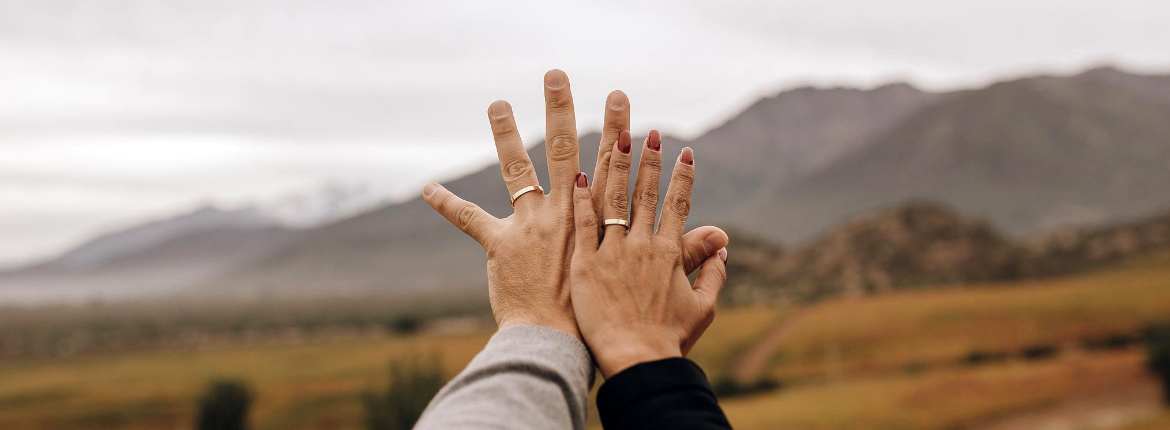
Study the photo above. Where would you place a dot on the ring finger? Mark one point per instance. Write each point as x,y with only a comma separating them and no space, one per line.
617,198
514,163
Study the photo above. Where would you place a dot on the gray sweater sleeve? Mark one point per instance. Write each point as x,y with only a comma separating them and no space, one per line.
525,378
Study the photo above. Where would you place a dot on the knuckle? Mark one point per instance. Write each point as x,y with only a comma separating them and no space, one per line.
685,179
680,204
620,166
562,146
517,168
648,197
651,163
504,129
587,220
466,216
559,102
618,202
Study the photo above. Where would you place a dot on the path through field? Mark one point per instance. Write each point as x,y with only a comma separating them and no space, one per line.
1098,411
751,366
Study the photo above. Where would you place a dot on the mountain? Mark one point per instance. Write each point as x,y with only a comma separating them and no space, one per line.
407,247
155,258
924,244
1027,155
903,247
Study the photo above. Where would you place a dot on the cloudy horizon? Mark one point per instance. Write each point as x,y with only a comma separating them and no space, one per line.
112,113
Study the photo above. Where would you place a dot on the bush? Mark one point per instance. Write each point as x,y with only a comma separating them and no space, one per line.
980,356
410,389
1158,350
1113,341
224,406
1039,352
726,387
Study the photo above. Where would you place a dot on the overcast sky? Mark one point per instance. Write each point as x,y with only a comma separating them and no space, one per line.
117,111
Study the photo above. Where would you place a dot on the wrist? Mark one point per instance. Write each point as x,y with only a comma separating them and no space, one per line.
566,327
615,357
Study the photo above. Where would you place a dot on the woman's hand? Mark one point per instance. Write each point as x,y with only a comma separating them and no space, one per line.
630,292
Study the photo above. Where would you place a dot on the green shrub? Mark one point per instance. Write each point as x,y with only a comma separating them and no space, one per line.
979,356
224,406
410,389
1158,350
1039,352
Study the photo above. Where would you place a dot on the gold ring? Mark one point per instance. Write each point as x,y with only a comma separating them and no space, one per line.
521,192
615,221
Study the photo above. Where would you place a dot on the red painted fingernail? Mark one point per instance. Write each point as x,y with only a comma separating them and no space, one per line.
623,143
654,141
688,156
723,255
582,180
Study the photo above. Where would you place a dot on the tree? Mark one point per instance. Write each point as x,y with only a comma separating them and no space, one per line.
1158,350
224,406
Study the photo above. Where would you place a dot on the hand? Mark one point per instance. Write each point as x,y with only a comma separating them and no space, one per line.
630,293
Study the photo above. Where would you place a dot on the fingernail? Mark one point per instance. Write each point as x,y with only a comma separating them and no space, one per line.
688,156
617,100
554,79
654,141
430,189
499,109
723,255
582,180
711,241
624,143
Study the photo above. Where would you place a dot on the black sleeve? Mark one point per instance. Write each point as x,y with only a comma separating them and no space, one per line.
664,394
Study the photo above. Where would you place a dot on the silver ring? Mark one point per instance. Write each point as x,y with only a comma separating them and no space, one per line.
616,221
521,192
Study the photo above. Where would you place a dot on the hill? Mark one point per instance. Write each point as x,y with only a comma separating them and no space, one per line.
1027,155
923,244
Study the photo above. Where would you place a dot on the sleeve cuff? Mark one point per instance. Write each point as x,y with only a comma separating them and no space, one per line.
646,380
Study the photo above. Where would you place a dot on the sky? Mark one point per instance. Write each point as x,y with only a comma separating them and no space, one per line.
113,112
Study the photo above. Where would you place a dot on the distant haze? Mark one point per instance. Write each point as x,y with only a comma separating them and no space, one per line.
117,111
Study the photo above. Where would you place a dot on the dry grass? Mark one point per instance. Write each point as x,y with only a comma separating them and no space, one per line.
955,398
299,387
900,331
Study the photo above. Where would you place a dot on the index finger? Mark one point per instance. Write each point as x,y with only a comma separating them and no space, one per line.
560,142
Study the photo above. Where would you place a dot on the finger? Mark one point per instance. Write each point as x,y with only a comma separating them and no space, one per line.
700,244
646,186
560,142
712,276
586,226
514,163
464,214
677,204
617,118
617,199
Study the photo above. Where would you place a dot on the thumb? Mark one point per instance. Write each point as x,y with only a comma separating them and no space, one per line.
701,243
712,275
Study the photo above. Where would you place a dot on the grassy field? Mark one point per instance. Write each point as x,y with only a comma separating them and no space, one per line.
299,387
887,362
948,399
906,331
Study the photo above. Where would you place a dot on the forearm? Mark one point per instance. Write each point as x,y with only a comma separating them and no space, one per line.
664,394
525,378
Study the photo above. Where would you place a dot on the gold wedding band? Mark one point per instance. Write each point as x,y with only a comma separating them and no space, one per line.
615,221
521,192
